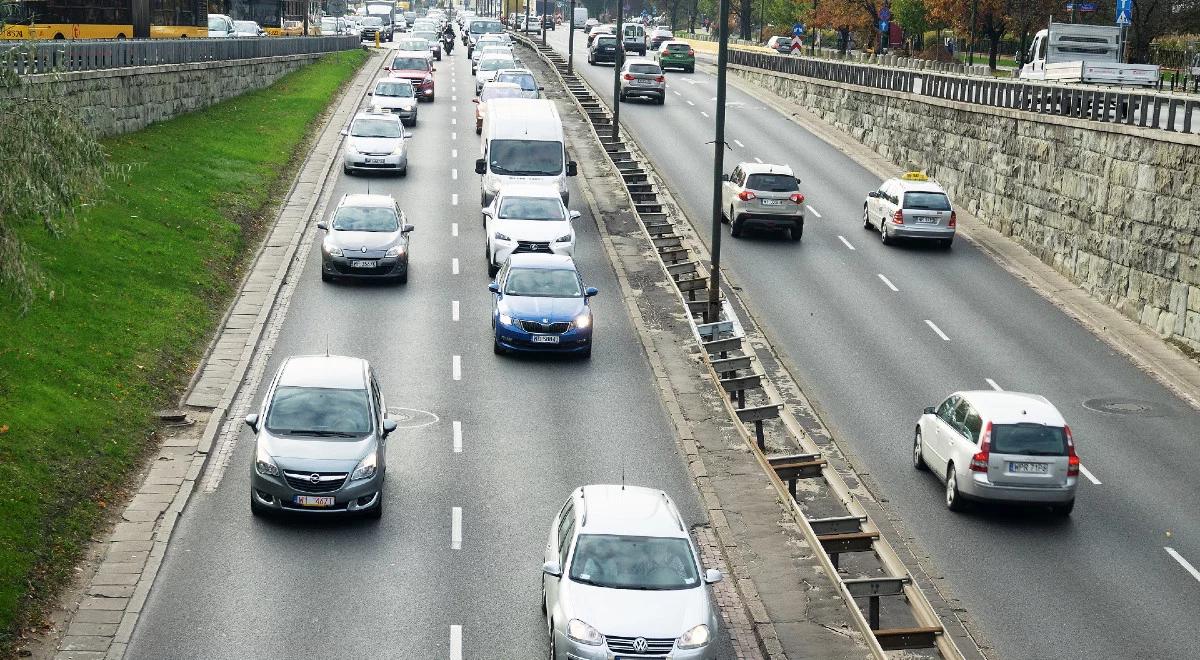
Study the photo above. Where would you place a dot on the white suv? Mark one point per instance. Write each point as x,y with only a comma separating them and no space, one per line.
621,578
527,218
911,206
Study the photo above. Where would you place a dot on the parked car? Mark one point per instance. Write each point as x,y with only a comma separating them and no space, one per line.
643,78
375,142
366,237
496,90
540,304
603,49
911,206
676,55
417,67
334,25
762,195
397,96
320,439
527,218
220,25
621,578
1000,447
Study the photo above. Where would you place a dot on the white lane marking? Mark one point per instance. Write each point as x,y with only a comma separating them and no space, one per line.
454,310
994,385
1183,562
810,209
454,173
456,643
453,135
454,229
456,528
937,330
456,367
454,153
454,265
677,93
758,159
690,103
739,144
706,116
845,242
453,97
453,108
454,200
887,282
1088,473
457,436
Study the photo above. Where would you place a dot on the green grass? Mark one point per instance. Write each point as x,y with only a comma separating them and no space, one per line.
136,291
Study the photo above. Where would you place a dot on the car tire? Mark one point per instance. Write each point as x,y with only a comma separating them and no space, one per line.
918,457
867,219
375,512
735,227
883,233
347,171
326,277
691,69
662,100
796,232
621,97
1063,510
497,348
492,268
403,277
948,243
404,172
256,509
954,500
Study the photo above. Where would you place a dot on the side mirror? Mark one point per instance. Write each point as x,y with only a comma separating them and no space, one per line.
541,89
575,215
407,134
344,132
494,287
724,177
474,100
712,576
252,421
590,291
930,410
370,93
480,166
572,168
486,211
323,225
405,229
873,193
389,425
432,70
552,569
387,68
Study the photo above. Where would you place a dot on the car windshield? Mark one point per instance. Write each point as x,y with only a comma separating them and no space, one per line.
1029,439
634,562
531,208
319,411
375,128
419,63
525,80
430,35
414,44
366,218
217,25
374,21
495,63
500,92
644,68
401,89
486,27
926,201
526,157
542,283
772,183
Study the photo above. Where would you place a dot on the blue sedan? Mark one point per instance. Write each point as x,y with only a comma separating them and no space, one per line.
539,304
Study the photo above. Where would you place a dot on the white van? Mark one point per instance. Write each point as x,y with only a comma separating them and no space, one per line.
633,37
522,142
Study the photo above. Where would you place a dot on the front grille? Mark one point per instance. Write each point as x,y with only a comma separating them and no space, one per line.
655,646
327,483
532,246
556,328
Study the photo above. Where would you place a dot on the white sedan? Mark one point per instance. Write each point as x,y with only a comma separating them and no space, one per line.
527,218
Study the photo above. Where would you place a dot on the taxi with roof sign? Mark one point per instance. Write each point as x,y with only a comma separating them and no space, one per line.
911,206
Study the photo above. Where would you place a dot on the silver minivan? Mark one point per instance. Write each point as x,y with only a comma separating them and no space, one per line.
911,206
998,446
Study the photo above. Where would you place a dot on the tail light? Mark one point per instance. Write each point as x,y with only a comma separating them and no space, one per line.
797,198
746,195
953,219
660,79
1072,458
898,218
628,76
979,462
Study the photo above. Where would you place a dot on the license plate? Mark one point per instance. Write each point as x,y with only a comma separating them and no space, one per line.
772,202
1029,468
545,339
314,502
643,82
362,264
374,161
925,220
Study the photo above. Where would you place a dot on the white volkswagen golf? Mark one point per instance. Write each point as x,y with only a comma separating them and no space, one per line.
527,218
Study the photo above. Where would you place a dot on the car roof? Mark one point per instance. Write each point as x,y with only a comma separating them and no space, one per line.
514,70
919,186
393,79
1013,407
628,510
333,371
765,168
640,60
533,119
530,189
410,53
366,199
547,261
383,116
494,84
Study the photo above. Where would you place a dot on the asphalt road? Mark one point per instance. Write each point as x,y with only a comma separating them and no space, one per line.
233,586
860,326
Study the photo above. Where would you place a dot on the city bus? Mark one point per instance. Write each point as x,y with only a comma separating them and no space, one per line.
276,17
97,19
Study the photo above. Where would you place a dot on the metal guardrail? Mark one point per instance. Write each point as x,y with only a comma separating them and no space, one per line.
1128,106
59,56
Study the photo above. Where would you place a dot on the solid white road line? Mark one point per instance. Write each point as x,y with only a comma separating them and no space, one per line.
994,385
454,312
456,643
456,528
1088,474
810,209
690,103
454,229
454,199
887,282
846,242
742,146
758,159
456,367
937,330
454,173
704,113
1183,562
457,437
454,265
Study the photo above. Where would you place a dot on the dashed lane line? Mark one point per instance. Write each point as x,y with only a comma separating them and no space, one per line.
845,242
887,282
742,146
993,385
454,266
933,326
454,311
705,114
810,209
457,437
690,103
456,528
456,367
1187,566
454,173
1088,475
454,199
456,650
756,158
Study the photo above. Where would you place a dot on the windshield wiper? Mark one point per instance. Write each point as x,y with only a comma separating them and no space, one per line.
317,432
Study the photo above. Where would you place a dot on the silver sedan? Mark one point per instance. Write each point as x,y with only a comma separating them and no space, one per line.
643,78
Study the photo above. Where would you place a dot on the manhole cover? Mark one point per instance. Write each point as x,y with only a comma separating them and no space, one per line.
1119,406
411,418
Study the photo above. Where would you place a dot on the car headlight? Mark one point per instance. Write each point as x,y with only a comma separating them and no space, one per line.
584,320
502,237
366,469
565,238
583,633
332,250
264,464
694,638
395,251
398,150
505,319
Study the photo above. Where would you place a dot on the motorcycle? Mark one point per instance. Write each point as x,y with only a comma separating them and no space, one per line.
448,43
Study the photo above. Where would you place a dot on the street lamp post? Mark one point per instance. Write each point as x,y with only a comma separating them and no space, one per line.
620,57
545,6
971,52
714,285
571,42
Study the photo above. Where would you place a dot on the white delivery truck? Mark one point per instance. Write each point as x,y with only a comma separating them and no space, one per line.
1076,53
581,17
522,143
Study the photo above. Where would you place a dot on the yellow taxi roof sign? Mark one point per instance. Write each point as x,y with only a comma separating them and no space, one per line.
915,176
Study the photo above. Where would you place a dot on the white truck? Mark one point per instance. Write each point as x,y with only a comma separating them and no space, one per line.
1075,53
581,17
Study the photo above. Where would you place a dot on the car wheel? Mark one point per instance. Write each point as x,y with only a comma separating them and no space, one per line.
691,69
797,231
662,99
347,171
735,228
1063,509
883,233
326,277
492,268
258,509
918,458
403,277
621,97
867,219
553,651
947,243
404,172
954,500
497,348
375,512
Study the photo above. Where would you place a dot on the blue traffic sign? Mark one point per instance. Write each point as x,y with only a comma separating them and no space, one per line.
798,30
885,14
1124,12
883,26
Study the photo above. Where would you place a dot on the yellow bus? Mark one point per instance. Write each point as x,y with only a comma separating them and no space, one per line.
276,17
100,19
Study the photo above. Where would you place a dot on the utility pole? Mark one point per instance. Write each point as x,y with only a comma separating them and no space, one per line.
714,286
571,42
971,52
545,6
616,127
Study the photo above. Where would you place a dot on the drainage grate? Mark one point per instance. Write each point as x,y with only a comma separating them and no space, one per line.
1120,406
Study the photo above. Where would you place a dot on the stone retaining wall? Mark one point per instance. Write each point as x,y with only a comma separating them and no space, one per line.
114,101
1111,207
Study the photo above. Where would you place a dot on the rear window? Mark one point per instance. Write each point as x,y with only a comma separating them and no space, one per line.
772,183
926,201
606,39
678,48
644,68
1029,440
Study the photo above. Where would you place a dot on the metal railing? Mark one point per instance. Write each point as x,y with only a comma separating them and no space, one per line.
1128,106
59,56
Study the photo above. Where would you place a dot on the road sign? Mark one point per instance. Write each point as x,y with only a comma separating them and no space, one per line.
883,26
885,14
1083,7
798,30
1123,18
1124,11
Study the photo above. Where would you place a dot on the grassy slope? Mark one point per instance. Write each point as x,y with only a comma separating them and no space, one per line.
137,290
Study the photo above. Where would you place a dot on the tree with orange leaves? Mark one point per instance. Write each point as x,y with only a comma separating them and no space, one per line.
848,15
